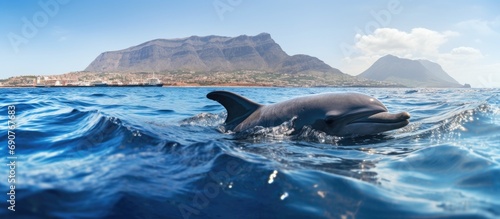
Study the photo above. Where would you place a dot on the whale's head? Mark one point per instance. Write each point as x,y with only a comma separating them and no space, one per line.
355,114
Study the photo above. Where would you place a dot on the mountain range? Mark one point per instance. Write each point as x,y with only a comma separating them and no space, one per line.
208,54
261,53
411,73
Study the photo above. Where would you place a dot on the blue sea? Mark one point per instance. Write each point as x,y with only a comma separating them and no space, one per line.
161,152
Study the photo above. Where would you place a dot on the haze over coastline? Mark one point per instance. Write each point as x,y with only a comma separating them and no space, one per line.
54,37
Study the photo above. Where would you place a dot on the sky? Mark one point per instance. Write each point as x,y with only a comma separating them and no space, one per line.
47,37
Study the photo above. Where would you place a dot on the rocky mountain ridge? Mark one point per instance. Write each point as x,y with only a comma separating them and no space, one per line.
411,73
208,54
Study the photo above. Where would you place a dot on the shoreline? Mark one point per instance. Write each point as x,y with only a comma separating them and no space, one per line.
214,85
226,85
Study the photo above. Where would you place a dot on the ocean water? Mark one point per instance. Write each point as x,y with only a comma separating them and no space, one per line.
161,153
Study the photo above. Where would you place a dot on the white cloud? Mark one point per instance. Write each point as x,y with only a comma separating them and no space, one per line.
463,63
482,27
419,42
463,52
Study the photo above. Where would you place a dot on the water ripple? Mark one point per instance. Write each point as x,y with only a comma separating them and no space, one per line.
146,153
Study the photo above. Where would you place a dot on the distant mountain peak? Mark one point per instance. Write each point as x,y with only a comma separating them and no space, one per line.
411,73
208,53
390,56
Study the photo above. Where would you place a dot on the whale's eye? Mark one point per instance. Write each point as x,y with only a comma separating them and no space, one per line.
329,121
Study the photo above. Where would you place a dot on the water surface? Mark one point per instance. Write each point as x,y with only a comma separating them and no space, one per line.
160,153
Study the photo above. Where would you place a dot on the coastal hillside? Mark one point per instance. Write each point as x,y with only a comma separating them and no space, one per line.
209,54
411,73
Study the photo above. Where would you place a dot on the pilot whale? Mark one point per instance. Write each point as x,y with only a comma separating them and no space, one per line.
337,114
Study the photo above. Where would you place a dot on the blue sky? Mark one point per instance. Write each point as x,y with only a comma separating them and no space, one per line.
46,37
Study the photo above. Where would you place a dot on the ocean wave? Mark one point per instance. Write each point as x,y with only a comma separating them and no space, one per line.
452,124
205,119
149,156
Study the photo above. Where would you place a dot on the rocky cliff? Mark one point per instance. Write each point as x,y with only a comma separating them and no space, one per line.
209,53
411,73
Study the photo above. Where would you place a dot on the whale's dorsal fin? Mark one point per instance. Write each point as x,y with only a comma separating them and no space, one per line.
238,108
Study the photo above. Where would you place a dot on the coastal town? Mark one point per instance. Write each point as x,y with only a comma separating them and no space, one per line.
77,79
189,78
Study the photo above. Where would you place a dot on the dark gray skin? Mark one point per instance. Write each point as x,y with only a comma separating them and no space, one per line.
337,114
